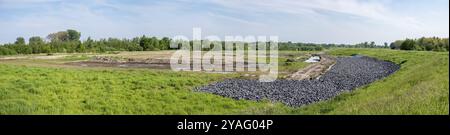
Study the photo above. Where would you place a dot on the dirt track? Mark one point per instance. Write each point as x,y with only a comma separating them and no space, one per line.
315,70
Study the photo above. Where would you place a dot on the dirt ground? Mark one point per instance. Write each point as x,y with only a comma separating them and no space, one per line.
120,64
315,70
157,60
33,57
153,59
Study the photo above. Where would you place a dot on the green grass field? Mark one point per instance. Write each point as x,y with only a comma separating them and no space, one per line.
421,86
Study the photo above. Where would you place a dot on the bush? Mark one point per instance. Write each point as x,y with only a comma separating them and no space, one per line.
6,51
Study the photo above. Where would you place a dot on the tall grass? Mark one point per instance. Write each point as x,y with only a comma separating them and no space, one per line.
421,86
39,90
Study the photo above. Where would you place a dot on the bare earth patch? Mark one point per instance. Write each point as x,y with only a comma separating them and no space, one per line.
106,61
45,57
315,70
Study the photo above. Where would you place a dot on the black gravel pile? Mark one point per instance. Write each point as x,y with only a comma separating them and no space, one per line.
347,74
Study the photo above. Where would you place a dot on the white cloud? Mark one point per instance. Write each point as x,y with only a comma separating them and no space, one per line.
373,10
327,21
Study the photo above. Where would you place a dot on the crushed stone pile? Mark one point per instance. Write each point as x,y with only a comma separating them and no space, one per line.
347,74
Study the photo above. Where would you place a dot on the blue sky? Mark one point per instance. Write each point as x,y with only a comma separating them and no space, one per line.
317,21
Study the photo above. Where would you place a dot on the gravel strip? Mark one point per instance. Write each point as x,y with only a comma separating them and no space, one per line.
347,74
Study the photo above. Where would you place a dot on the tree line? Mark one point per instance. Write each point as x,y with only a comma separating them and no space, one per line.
319,47
69,42
422,44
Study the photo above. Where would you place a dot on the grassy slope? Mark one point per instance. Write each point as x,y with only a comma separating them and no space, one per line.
421,86
38,90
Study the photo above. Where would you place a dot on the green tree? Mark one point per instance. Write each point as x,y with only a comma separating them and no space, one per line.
146,44
165,43
155,44
397,44
20,41
372,44
81,47
36,43
7,51
422,44
58,36
20,46
73,35
408,44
